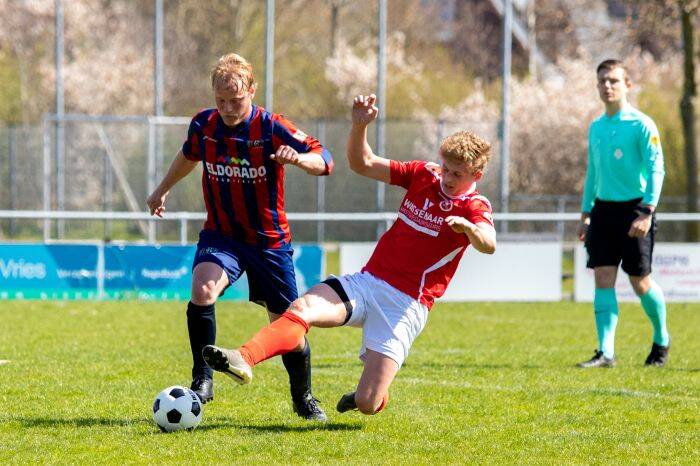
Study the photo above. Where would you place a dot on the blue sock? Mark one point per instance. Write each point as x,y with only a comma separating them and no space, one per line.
606,312
655,307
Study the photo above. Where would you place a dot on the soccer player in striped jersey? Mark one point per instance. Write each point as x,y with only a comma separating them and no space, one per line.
243,150
441,214
622,189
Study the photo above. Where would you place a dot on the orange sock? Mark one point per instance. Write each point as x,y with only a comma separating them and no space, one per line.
279,337
382,405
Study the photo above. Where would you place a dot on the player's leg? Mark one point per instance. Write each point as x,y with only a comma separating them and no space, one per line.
372,393
604,255
298,365
272,282
215,267
321,306
654,304
208,280
637,263
606,309
391,322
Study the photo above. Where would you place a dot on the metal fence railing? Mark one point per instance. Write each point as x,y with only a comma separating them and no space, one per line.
110,164
42,220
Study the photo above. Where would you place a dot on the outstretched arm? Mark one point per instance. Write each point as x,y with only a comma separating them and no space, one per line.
179,168
360,156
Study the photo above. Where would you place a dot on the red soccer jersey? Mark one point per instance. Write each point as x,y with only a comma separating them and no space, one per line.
419,254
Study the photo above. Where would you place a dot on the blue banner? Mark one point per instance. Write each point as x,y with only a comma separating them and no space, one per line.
32,271
38,271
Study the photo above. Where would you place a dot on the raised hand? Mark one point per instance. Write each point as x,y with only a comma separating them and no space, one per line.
363,109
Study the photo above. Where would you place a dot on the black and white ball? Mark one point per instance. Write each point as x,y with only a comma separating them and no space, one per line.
177,408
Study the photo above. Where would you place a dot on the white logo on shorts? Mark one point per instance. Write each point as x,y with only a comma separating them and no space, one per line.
618,154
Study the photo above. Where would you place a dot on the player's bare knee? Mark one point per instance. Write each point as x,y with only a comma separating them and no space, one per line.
367,403
302,308
641,285
204,293
605,277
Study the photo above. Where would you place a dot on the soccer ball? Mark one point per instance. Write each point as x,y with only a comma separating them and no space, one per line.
177,408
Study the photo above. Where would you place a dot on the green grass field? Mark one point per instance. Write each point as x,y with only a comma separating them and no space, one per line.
485,383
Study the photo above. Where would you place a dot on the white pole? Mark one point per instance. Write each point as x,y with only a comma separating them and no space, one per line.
47,177
158,62
60,110
151,173
505,108
269,53
381,98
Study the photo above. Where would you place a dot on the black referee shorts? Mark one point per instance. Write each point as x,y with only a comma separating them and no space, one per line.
607,241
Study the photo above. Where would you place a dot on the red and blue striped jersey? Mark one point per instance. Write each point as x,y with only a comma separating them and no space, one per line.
243,187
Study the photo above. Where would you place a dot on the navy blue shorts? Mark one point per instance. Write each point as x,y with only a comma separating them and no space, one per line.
271,279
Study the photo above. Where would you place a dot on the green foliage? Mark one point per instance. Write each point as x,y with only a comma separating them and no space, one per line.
10,100
485,383
442,83
662,105
301,88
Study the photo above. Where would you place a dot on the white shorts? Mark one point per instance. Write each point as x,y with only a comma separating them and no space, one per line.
390,319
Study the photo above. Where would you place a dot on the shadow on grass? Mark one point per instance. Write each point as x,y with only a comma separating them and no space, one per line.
680,369
75,422
337,365
440,365
82,422
281,428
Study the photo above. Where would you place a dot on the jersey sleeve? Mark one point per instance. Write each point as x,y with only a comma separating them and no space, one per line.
652,154
480,211
589,184
190,148
402,173
285,133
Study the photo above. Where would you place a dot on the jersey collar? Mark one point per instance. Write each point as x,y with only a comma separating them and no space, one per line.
460,197
243,125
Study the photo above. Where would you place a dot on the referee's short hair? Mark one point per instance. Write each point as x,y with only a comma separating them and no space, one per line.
611,64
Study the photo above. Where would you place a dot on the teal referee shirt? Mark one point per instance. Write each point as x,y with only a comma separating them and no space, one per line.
625,160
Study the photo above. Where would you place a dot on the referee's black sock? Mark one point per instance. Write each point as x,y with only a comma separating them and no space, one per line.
298,365
201,325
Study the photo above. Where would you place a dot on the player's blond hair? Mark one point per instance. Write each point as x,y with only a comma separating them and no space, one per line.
232,72
467,147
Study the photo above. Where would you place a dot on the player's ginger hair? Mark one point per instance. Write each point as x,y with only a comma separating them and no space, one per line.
232,72
467,147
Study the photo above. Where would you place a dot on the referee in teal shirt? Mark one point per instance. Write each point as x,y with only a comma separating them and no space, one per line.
620,194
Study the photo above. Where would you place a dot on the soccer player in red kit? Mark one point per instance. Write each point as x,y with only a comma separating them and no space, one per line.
243,150
441,214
